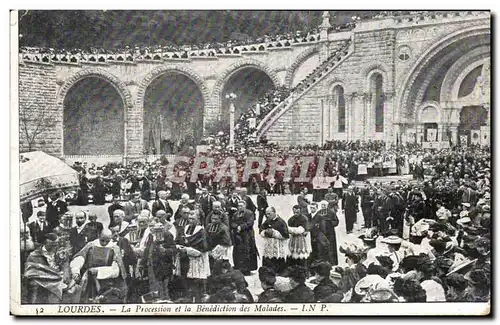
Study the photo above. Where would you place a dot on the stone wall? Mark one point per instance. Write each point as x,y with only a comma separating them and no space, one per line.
372,51
38,113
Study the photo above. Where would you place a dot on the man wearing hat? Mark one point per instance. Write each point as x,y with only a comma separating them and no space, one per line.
394,248
267,279
300,293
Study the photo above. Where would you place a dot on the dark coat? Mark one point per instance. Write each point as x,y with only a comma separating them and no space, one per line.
36,233
218,234
54,212
245,250
324,289
131,211
300,294
262,204
250,205
206,203
158,205
159,257
323,237
270,294
145,189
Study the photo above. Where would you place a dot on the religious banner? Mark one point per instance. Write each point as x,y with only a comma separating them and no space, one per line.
362,169
475,136
431,135
322,182
463,140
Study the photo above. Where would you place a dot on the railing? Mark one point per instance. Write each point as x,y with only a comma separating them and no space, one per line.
304,86
100,160
160,55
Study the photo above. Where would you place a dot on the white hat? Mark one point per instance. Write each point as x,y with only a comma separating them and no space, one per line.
392,240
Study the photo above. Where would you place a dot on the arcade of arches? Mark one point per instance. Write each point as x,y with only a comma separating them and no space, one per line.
173,114
93,119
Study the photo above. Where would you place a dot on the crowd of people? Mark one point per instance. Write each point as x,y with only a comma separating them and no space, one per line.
215,48
141,50
424,240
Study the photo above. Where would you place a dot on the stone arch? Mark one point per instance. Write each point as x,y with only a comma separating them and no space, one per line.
423,62
372,69
454,89
440,67
157,72
421,116
114,81
98,73
334,83
247,63
301,58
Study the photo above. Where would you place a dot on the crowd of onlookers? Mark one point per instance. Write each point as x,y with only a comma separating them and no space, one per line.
426,240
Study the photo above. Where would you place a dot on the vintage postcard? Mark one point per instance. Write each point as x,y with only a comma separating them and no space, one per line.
225,162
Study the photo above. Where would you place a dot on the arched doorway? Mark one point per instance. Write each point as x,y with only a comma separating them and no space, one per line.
434,75
173,114
93,119
249,84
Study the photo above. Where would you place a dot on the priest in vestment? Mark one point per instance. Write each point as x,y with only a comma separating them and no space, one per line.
99,270
192,261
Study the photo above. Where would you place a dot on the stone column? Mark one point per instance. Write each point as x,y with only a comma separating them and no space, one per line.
323,32
367,104
454,134
349,114
389,129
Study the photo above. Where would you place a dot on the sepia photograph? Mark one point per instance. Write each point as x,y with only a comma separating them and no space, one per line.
251,162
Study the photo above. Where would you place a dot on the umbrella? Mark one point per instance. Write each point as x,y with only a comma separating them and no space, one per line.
41,173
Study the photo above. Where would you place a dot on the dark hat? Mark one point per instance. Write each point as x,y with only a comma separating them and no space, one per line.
296,206
265,271
482,242
443,263
457,281
322,268
410,262
298,274
50,237
385,261
477,276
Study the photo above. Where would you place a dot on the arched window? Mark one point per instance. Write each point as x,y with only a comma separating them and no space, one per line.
377,90
339,104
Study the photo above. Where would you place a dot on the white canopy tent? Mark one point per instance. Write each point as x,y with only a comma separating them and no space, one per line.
41,173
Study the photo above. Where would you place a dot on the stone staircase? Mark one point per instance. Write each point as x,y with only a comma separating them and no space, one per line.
308,83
